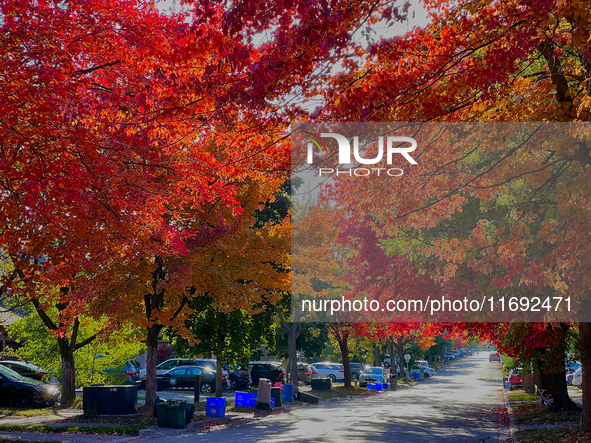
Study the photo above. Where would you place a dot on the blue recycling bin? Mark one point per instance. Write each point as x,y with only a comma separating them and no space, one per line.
287,393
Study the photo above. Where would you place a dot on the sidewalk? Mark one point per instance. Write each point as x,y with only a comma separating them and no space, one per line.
67,418
54,418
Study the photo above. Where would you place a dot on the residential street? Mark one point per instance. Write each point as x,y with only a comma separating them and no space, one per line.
463,404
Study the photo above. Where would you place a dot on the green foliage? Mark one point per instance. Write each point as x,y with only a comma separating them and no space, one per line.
312,341
508,364
233,336
40,347
439,347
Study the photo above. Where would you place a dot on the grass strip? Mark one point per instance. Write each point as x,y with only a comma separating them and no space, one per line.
108,430
529,413
571,434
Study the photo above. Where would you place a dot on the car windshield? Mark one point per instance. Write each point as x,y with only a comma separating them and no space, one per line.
10,374
375,371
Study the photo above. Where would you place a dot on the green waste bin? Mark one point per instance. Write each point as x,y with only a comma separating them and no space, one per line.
177,413
162,414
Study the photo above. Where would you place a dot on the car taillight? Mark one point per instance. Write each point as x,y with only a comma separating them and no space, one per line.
315,372
341,371
281,374
130,373
306,372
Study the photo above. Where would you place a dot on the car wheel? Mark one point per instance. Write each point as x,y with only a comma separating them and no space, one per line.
24,400
232,385
354,376
207,388
333,378
426,376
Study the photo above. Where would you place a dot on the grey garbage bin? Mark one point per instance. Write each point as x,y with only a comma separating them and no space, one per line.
264,395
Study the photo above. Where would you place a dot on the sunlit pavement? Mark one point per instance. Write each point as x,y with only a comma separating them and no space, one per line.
463,403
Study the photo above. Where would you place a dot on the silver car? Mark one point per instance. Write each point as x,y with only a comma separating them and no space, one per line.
334,371
372,375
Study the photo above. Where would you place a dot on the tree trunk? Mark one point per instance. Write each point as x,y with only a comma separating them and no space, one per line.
554,378
400,350
585,349
68,371
219,363
294,332
151,380
537,364
344,345
286,363
527,382
390,345
557,386
377,356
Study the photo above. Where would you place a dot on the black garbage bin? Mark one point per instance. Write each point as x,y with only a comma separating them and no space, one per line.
321,384
308,398
109,400
190,411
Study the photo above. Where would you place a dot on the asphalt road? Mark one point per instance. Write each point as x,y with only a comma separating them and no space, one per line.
464,403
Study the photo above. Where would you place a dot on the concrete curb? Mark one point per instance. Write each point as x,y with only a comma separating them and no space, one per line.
512,426
161,431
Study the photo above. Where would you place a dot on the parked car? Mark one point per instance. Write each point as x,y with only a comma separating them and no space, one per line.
578,378
306,373
334,371
238,377
25,369
427,371
129,373
372,375
356,370
183,377
494,356
169,364
24,392
515,378
450,355
270,370
387,360
570,369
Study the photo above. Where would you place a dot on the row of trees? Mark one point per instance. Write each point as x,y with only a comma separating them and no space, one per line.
139,151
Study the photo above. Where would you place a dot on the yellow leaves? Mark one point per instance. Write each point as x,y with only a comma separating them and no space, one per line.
549,231
450,271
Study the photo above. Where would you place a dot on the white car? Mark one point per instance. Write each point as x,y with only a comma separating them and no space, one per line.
578,378
168,365
429,372
334,371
